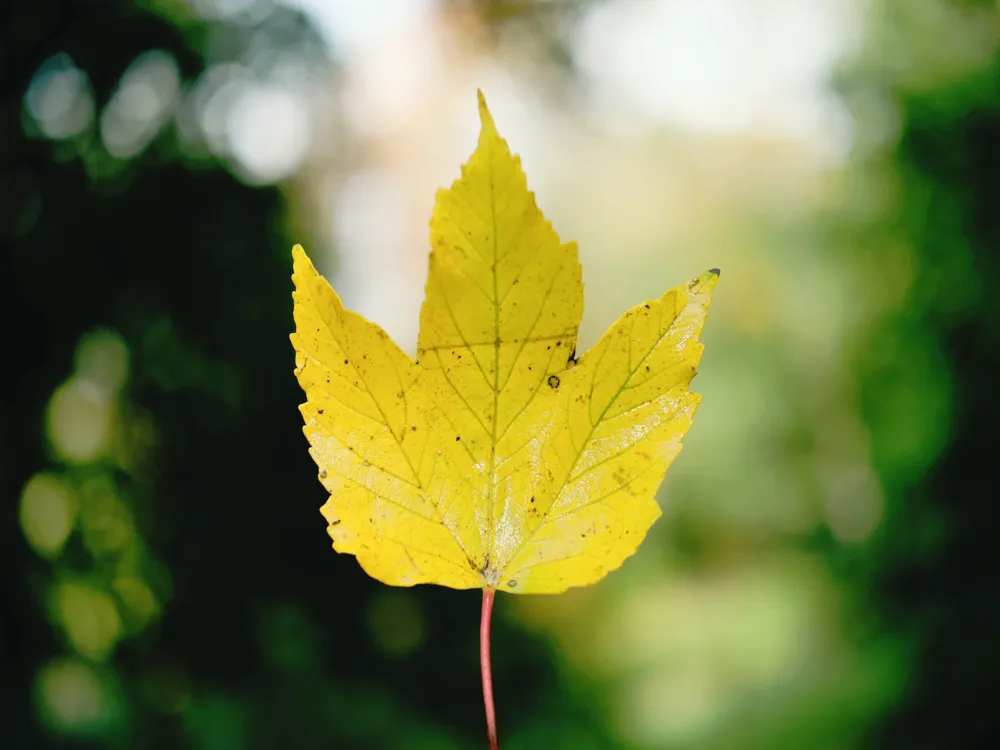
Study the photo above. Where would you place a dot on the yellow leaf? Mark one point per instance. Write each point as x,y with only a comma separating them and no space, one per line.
367,424
497,460
612,424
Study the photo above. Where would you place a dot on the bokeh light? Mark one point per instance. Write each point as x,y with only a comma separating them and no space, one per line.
141,105
75,698
60,99
138,602
83,411
80,421
48,514
88,616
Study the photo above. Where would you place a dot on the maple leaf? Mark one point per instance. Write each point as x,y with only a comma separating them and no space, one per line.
497,460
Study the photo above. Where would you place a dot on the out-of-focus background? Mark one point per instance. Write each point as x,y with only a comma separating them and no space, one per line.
823,576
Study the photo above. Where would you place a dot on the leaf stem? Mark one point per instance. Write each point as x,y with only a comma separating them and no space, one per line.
484,664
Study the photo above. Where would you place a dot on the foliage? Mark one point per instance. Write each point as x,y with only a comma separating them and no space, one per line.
500,460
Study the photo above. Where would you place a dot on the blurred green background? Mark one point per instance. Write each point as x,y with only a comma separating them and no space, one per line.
823,577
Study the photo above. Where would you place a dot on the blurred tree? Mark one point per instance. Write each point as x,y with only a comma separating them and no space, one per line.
926,101
266,635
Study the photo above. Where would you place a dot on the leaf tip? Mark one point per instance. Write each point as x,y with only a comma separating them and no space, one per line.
301,265
484,112
706,282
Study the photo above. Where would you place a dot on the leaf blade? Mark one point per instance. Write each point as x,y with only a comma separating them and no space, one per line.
600,498
503,303
498,459
365,420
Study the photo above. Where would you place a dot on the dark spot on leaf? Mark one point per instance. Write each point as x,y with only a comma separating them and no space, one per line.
345,361
716,271
553,381
322,474
335,523
319,411
414,428
457,438
646,305
512,583
532,499
559,343
647,368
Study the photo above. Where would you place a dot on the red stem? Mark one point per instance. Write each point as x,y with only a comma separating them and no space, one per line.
484,663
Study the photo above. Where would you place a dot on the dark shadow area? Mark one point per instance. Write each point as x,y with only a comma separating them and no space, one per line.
263,627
